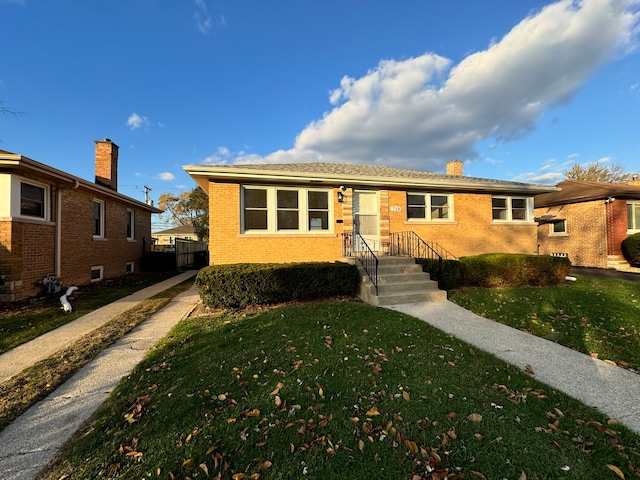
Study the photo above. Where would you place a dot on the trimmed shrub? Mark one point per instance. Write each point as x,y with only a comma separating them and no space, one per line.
500,270
243,284
631,249
448,273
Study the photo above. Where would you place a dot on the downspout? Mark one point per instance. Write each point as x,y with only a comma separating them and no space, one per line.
58,239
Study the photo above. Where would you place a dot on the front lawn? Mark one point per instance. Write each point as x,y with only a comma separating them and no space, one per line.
338,390
26,320
596,316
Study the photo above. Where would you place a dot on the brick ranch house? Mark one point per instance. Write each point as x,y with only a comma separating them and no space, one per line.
299,212
56,225
587,221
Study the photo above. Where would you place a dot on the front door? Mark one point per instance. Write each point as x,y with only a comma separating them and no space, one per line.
365,218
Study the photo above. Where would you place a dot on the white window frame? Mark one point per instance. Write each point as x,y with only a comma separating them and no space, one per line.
130,216
100,270
428,207
509,209
634,205
552,231
16,198
303,211
100,234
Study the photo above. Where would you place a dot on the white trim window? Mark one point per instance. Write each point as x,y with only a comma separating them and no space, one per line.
633,217
98,218
129,267
97,273
286,210
434,207
130,219
32,199
512,209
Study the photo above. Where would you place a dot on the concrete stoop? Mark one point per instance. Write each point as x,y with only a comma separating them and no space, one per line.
618,262
400,280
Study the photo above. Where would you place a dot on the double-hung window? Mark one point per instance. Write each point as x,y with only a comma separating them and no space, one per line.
512,209
285,210
633,217
33,200
98,219
429,206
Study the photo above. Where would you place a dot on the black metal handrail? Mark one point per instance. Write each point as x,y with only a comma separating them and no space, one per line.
409,243
353,245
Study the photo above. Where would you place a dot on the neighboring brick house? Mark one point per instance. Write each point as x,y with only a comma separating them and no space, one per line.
587,221
298,212
56,225
168,236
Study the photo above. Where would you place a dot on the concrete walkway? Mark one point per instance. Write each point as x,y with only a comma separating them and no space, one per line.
31,441
611,389
25,355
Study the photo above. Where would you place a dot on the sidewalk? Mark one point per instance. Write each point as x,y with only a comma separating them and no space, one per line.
611,389
31,441
25,355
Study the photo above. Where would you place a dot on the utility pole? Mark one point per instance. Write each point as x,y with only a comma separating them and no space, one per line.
146,196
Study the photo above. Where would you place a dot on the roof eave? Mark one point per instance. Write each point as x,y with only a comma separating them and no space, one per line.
20,162
202,176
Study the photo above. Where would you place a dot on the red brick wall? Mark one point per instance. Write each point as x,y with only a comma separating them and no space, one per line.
27,250
616,226
80,251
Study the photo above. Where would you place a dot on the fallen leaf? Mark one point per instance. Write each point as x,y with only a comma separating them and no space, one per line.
278,400
523,476
475,417
611,362
204,468
529,370
277,389
406,396
361,445
264,465
616,470
372,412
238,476
478,475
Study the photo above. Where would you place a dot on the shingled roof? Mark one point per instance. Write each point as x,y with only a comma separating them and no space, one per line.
576,191
355,175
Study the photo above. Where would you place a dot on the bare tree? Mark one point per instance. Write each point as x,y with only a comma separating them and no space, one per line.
598,172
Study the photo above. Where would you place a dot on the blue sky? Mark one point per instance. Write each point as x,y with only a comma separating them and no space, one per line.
518,90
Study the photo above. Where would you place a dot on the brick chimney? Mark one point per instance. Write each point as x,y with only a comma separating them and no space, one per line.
454,167
635,180
107,164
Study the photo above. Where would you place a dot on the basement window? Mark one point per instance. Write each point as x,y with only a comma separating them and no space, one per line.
96,273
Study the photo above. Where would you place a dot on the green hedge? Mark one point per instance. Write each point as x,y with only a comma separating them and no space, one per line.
631,249
448,273
243,284
500,270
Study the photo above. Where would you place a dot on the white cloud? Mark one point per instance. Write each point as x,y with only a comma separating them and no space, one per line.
423,111
202,17
136,121
166,176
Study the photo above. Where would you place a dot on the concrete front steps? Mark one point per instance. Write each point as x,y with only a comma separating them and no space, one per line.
400,280
618,262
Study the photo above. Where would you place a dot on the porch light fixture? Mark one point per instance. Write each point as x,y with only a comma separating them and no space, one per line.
340,197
